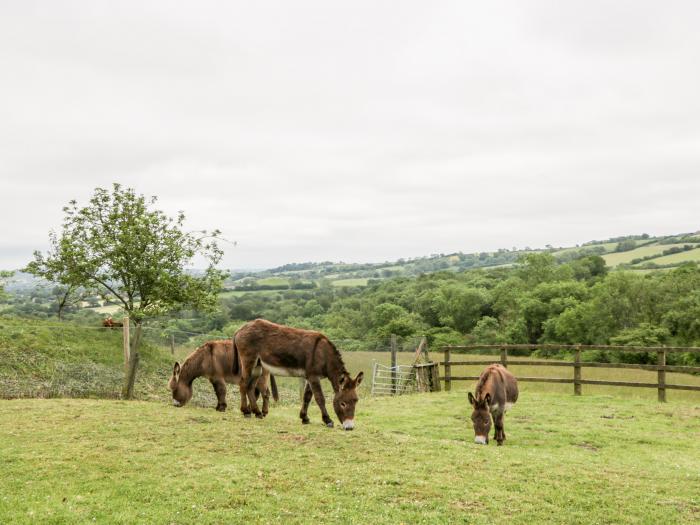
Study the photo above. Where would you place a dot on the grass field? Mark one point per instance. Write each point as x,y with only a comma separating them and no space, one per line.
614,259
111,309
613,455
678,258
593,459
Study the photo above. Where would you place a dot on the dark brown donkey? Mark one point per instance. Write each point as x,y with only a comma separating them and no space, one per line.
214,360
496,392
286,351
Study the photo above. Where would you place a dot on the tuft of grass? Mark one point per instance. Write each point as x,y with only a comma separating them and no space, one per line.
593,459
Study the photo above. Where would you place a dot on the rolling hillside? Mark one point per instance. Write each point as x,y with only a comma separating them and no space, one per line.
634,252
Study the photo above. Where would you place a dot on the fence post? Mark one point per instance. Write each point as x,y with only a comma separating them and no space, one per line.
435,377
126,339
172,344
504,357
393,363
577,371
661,361
448,370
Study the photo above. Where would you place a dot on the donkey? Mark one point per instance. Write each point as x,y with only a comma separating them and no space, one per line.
294,352
496,392
214,360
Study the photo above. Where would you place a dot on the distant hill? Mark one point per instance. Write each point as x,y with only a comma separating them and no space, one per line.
632,252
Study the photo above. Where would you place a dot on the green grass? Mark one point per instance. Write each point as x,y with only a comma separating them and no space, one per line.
616,258
241,293
613,455
111,309
273,281
593,459
678,258
52,359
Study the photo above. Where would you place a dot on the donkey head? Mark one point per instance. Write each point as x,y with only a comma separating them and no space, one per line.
182,392
345,400
481,418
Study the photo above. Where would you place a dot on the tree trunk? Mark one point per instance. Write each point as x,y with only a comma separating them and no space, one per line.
62,305
128,391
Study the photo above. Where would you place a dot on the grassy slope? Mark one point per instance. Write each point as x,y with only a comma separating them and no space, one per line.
566,460
49,359
678,258
613,259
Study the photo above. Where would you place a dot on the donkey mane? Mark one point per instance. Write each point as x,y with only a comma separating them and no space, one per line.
336,352
482,382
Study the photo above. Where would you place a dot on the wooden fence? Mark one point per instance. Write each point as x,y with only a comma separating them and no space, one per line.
661,367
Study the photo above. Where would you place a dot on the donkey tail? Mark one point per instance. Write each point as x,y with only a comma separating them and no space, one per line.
236,368
273,386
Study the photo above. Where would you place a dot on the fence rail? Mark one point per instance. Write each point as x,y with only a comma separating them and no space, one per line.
660,367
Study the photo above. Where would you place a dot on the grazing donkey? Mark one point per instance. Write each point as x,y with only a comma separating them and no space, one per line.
496,392
294,352
214,360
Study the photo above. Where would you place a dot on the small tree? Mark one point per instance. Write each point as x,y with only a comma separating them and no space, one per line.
4,275
134,255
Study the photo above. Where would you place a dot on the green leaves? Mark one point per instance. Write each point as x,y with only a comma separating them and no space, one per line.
132,253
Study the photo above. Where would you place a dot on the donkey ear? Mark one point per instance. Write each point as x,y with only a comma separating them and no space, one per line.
487,398
359,377
472,401
343,379
176,369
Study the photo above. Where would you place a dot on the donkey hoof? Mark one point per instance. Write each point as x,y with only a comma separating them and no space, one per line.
221,408
259,416
329,424
499,443
247,415
305,421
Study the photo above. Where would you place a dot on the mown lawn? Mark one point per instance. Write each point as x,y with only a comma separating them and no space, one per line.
590,459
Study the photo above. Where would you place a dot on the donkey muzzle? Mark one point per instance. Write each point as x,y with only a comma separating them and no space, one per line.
348,424
481,440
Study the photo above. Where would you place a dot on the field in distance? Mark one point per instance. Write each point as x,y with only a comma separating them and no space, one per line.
624,252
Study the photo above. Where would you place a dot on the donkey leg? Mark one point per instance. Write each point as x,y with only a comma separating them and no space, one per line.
220,390
500,434
265,391
321,401
247,386
245,409
252,401
308,394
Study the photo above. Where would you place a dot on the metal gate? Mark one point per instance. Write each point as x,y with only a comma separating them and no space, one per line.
387,380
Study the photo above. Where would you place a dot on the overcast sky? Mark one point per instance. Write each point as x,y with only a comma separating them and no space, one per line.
355,131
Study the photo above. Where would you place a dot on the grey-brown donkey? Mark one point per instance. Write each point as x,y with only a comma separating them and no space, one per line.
214,360
288,351
496,392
